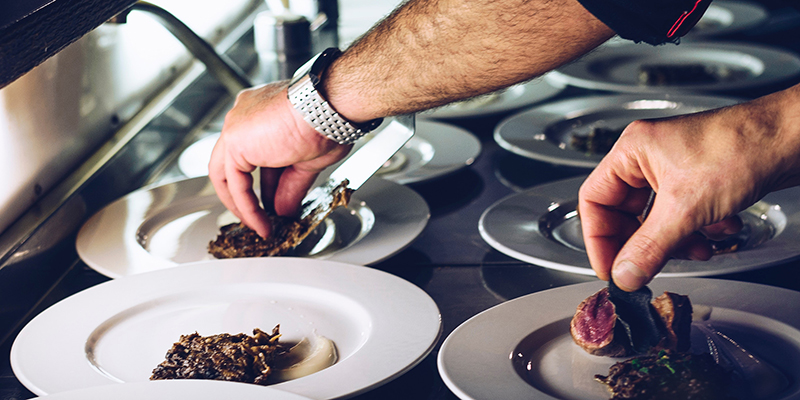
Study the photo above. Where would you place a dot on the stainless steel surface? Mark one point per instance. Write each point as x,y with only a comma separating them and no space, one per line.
217,64
292,44
56,116
24,227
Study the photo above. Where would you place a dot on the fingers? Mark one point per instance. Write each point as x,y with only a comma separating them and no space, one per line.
269,185
604,231
649,248
608,209
216,173
694,247
240,189
723,229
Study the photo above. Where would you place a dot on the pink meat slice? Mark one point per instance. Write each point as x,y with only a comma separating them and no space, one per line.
594,326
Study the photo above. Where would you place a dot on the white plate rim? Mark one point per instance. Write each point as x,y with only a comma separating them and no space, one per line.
454,148
779,64
523,94
745,14
374,290
775,251
384,240
168,390
539,118
506,327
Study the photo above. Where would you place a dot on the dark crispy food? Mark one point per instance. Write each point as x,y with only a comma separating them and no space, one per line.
660,75
598,141
668,376
237,358
676,313
728,245
237,240
604,328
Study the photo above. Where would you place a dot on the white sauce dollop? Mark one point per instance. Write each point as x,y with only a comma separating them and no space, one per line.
305,358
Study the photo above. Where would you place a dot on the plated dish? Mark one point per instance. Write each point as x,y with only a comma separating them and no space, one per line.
435,150
193,161
170,390
540,226
548,132
164,226
724,67
531,355
512,98
121,329
724,17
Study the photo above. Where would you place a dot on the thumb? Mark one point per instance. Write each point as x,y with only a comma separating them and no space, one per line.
650,247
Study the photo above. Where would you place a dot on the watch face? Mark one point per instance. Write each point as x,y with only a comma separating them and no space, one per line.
321,62
316,66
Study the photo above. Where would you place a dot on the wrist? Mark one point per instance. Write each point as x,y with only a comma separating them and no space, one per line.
790,131
306,95
347,89
774,120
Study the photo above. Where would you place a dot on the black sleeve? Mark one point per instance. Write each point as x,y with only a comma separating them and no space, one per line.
650,21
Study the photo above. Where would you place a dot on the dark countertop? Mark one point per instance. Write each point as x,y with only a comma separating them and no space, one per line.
450,260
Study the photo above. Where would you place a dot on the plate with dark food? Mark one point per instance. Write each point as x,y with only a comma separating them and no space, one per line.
435,150
541,226
680,338
315,328
175,389
578,132
696,66
164,226
511,98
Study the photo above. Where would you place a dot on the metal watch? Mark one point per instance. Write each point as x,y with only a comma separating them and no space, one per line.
305,97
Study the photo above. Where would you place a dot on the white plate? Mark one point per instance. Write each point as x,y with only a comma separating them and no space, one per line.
178,389
120,330
193,161
435,150
522,349
512,98
616,68
163,226
724,17
539,226
545,132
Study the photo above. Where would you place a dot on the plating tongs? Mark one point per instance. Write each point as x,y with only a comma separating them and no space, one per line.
355,170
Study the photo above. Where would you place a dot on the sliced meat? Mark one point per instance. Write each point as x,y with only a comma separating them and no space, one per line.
630,323
676,313
595,328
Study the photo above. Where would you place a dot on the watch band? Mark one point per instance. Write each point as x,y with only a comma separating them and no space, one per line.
305,98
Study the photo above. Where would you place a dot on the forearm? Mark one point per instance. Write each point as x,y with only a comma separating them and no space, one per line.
780,112
767,131
432,52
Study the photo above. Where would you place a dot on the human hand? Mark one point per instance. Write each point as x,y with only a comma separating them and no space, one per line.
704,167
264,130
